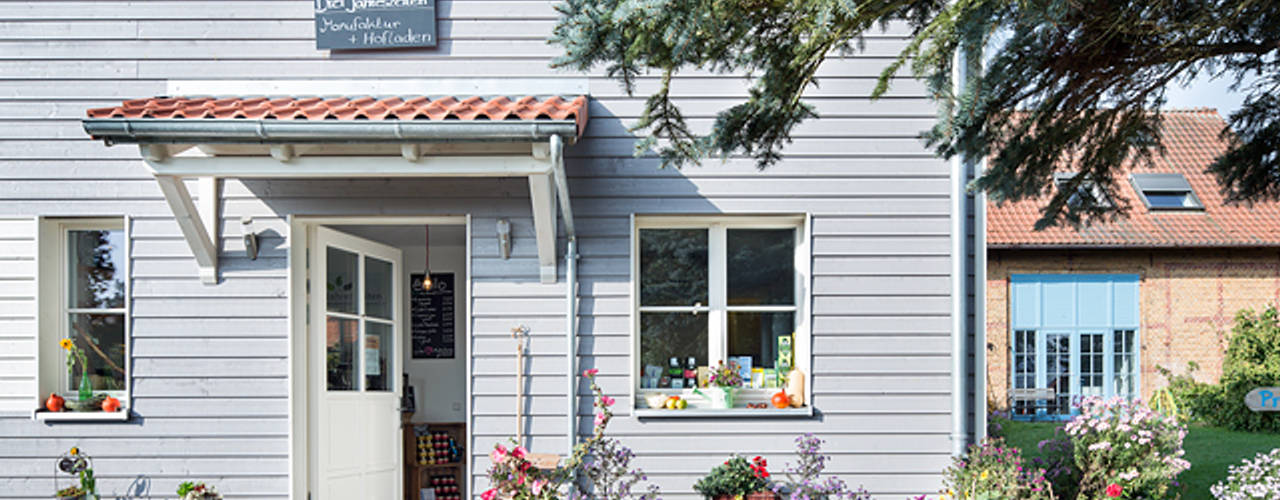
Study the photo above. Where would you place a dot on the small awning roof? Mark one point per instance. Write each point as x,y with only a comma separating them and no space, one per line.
295,119
314,137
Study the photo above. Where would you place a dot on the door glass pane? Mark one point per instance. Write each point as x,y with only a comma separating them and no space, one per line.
378,341
342,284
96,269
1125,364
756,335
1058,371
671,335
341,337
1091,364
101,338
1024,368
673,267
378,294
761,267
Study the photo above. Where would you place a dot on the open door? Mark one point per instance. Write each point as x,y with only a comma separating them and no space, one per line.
353,352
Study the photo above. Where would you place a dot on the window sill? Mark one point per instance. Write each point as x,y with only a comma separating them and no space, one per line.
805,412
82,416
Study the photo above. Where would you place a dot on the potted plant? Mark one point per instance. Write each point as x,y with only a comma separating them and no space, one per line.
737,479
722,385
80,465
189,490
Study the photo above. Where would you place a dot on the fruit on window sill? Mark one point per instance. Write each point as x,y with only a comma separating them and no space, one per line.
111,405
54,403
676,403
780,400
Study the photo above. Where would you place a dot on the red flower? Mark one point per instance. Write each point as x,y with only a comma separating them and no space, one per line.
1115,490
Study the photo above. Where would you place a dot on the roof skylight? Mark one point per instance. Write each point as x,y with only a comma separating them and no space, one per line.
1165,192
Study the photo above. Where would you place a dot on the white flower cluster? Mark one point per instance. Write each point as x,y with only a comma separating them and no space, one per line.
1256,478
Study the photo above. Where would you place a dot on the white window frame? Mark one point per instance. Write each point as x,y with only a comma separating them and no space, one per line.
53,303
718,310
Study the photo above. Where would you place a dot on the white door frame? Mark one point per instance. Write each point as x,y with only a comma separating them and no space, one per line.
300,239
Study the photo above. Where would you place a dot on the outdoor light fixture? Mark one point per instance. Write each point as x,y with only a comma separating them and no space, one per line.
250,237
504,239
426,274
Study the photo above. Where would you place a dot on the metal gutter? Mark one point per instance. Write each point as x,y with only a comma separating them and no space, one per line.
242,131
980,314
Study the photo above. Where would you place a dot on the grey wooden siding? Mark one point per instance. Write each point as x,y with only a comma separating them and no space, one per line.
210,363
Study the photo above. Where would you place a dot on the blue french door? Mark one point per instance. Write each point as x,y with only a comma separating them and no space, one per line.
1076,334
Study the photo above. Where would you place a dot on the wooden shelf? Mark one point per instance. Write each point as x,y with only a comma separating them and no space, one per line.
417,475
437,466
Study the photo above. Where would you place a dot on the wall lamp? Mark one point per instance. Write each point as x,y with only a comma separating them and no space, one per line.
504,239
250,237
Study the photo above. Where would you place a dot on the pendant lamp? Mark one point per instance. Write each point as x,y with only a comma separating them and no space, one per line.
426,274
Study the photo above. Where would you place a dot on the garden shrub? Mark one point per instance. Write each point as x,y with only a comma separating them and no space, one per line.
1258,478
735,477
601,463
994,471
1122,446
803,481
1252,360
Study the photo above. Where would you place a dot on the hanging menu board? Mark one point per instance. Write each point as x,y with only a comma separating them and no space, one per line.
375,24
431,316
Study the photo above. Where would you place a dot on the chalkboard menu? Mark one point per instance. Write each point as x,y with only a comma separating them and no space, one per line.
431,316
375,24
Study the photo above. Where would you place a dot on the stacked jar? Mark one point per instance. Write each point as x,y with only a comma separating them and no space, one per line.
446,488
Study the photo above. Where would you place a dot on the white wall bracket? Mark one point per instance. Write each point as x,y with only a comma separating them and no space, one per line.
194,228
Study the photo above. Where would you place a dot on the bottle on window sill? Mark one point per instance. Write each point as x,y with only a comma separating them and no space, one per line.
86,388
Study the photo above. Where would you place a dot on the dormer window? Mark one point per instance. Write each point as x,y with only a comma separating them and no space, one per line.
1165,192
1086,190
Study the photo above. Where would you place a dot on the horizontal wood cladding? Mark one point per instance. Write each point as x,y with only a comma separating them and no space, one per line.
211,363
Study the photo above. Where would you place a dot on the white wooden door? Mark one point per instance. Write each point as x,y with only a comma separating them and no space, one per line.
354,353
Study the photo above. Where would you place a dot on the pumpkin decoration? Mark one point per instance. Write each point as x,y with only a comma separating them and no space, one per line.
780,400
54,403
111,405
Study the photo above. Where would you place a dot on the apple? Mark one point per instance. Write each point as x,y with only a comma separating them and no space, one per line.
682,404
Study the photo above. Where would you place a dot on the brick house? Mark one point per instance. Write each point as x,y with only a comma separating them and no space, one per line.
1098,310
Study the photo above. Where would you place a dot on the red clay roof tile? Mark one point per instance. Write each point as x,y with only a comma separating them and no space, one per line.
1191,142
528,108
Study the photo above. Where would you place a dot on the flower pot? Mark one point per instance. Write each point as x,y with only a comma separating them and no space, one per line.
719,398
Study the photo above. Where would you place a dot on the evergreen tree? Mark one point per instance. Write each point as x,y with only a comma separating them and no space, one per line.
1064,82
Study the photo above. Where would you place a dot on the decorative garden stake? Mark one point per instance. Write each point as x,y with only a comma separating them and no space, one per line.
81,466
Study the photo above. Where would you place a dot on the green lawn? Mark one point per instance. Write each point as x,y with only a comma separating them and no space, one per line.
1210,451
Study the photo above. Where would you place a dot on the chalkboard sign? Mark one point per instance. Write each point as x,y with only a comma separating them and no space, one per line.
375,24
431,316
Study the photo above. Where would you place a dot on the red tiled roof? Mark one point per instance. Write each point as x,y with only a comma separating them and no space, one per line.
1191,141
529,108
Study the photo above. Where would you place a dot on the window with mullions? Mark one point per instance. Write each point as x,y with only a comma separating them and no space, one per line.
83,289
715,290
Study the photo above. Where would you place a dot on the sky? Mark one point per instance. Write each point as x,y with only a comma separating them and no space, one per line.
1206,93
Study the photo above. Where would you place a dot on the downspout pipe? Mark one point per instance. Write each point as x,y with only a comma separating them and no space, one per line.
571,292
959,278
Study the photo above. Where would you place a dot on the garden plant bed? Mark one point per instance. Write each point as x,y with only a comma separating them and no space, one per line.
1210,450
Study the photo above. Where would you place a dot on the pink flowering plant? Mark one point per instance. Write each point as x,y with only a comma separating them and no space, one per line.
1124,449
601,464
804,481
994,471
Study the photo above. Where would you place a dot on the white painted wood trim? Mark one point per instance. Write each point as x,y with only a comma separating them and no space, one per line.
544,222
253,167
469,410
193,228
210,199
804,412
82,416
298,449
